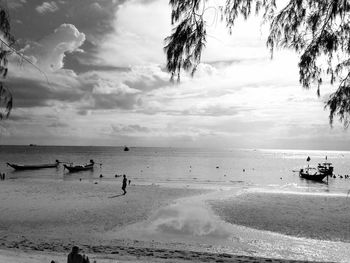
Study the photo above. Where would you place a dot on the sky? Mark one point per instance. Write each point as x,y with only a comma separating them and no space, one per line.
105,83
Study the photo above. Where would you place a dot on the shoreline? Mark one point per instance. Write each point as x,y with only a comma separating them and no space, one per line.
156,223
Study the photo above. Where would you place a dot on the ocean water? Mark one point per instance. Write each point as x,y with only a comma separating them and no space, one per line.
202,167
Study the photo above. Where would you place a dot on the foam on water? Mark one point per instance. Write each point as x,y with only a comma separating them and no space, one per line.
298,191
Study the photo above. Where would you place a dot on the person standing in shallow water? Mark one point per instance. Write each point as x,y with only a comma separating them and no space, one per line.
124,184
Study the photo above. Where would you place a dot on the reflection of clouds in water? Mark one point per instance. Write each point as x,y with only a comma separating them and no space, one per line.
188,219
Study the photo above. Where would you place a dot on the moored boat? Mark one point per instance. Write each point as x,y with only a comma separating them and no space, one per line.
325,168
311,173
33,166
77,168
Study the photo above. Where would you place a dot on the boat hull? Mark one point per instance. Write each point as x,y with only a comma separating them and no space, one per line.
325,170
79,168
314,177
32,167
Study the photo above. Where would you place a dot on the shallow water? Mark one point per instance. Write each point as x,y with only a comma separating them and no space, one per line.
224,167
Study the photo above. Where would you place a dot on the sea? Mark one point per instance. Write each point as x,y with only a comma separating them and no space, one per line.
178,166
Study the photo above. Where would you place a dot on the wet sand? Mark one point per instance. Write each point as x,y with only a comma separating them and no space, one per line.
69,212
317,216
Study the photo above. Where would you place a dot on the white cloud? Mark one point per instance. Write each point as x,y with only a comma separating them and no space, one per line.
47,7
139,33
49,52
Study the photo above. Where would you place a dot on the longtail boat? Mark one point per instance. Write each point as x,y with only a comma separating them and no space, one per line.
33,166
76,168
325,168
311,173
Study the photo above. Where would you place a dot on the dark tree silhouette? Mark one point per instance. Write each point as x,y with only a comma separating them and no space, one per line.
6,43
318,30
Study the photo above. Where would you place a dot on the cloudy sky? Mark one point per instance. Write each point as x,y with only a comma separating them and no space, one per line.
107,85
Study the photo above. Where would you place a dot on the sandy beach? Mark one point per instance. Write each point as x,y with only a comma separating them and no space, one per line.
42,219
74,211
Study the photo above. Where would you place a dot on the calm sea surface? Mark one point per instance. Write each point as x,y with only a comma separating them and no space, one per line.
226,167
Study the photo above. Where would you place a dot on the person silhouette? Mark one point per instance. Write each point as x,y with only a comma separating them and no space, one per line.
75,257
124,184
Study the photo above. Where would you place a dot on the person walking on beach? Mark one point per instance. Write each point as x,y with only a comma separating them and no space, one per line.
124,184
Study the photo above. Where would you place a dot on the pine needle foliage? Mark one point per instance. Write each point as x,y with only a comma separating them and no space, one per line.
318,30
184,46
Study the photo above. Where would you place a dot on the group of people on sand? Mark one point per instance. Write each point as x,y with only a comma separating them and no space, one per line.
2,176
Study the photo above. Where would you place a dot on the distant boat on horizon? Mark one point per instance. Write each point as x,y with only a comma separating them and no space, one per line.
32,144
126,149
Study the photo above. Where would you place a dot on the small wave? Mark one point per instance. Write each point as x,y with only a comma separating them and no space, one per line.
291,192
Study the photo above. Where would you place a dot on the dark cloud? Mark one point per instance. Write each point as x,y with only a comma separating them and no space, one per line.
82,112
89,92
210,111
58,124
79,63
31,93
101,101
94,18
91,17
125,92
16,117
